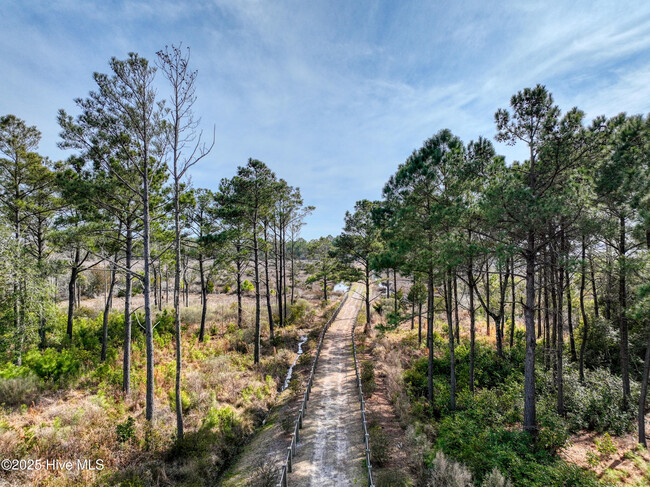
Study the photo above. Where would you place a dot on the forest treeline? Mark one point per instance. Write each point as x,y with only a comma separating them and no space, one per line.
122,210
560,240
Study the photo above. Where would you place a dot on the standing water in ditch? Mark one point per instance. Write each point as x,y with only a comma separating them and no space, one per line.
303,339
342,287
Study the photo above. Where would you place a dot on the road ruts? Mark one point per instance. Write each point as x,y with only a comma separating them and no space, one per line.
330,450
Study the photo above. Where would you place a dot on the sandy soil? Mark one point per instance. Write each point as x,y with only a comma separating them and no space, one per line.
330,450
632,465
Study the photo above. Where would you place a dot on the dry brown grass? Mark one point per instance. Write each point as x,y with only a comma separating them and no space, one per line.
80,422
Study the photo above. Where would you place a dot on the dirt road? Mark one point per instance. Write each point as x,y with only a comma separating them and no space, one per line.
331,450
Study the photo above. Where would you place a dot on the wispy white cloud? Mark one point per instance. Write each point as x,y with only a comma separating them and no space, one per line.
334,94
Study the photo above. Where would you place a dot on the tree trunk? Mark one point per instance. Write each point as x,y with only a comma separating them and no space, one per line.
622,312
560,323
572,340
643,395
266,282
278,280
452,358
456,308
395,293
367,327
204,297
419,324
487,296
430,311
293,277
593,285
256,357
472,323
178,399
284,270
126,359
107,309
530,413
554,309
514,302
238,264
585,320
412,314
547,319
155,285
74,272
150,398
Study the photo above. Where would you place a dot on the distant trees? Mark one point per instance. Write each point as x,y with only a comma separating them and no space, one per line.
25,183
325,268
359,243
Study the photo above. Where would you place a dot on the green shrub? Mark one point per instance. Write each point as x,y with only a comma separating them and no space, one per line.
391,478
165,323
606,446
368,383
126,430
379,446
9,370
301,312
226,421
597,404
186,401
53,365
553,429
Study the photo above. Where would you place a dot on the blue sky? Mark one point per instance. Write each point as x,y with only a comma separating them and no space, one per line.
333,95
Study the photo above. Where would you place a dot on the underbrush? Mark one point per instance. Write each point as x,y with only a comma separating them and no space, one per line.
63,402
481,443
